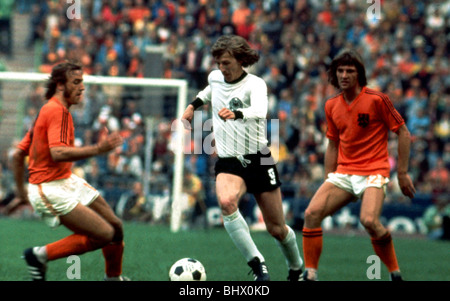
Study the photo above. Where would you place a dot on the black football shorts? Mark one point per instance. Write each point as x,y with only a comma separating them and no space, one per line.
258,171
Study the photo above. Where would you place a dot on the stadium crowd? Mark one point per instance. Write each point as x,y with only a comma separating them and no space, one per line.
405,47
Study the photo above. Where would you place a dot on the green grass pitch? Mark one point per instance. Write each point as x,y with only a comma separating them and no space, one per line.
151,250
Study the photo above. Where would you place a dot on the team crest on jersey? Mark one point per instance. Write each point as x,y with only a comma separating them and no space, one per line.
363,120
235,103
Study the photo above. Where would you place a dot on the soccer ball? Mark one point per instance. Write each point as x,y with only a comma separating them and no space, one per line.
187,269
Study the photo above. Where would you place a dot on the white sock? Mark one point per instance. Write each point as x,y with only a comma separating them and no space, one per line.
41,254
239,232
290,250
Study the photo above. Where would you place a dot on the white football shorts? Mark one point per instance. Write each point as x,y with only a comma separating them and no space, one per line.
56,198
355,184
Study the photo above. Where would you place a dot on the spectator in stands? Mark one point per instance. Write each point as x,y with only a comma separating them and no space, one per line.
273,28
192,60
419,123
442,127
194,198
437,218
439,176
446,154
133,204
37,24
6,27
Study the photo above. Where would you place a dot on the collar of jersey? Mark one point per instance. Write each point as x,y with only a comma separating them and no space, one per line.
244,74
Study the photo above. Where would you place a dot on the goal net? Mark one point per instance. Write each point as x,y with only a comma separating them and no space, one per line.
120,103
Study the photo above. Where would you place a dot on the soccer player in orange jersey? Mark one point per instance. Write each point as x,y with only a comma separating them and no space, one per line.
356,161
59,196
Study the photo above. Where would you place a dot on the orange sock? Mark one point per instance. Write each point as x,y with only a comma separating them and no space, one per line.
74,244
312,247
113,254
384,248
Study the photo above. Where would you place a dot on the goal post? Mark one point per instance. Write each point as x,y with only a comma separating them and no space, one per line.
178,147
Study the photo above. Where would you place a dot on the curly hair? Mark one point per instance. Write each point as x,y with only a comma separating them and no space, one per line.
237,47
347,57
59,76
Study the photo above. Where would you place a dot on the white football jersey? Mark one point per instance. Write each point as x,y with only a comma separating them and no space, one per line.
248,95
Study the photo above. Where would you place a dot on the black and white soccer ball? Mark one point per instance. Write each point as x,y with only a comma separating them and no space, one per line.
187,269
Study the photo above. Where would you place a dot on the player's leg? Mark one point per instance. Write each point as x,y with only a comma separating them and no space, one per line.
100,206
65,202
271,206
371,207
326,201
113,251
91,232
229,189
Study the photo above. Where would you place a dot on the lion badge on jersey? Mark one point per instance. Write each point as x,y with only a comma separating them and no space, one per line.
363,120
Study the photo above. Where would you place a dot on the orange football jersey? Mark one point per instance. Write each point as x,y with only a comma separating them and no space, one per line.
53,127
362,129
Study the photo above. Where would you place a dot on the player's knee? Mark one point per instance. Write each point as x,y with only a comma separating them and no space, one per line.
370,223
228,205
104,235
277,231
313,216
118,230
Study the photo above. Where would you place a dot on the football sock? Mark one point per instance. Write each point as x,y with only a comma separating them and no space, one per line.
74,244
384,248
239,232
312,247
113,254
290,250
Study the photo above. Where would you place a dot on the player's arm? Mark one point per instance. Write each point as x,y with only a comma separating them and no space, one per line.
225,114
332,151
259,104
18,166
72,153
331,156
396,123
404,144
256,111
201,98
189,112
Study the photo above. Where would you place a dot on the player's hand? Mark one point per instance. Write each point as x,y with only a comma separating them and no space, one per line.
406,185
110,142
15,204
22,195
225,114
187,117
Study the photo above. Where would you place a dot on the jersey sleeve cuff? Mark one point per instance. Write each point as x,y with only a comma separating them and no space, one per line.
238,115
197,103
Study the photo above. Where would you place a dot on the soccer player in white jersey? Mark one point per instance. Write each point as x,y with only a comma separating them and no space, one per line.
239,108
